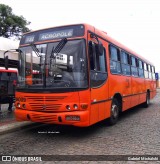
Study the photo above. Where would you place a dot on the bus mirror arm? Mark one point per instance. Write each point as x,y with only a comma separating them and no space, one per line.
6,60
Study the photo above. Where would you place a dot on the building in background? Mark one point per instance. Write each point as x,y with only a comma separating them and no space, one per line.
8,44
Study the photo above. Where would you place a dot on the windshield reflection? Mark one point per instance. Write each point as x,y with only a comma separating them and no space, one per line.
55,66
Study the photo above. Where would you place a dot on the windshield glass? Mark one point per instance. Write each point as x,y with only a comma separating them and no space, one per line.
54,65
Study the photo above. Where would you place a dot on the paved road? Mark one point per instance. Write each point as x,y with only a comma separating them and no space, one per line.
5,115
137,133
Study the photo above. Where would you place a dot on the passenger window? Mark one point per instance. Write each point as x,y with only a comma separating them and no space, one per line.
153,73
98,73
125,63
140,69
4,76
13,76
114,53
134,65
133,61
149,69
140,64
146,75
115,66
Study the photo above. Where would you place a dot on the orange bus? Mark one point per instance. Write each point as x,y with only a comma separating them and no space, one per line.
83,76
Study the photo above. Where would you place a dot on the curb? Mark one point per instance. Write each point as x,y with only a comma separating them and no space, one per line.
14,127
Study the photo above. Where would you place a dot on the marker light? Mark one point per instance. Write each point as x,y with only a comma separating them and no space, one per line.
84,106
75,106
24,106
68,107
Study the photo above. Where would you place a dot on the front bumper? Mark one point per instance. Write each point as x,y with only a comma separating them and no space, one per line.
53,118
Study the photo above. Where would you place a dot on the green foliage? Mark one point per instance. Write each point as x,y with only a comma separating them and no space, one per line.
11,24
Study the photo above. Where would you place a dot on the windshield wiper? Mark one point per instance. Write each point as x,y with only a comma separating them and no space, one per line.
59,47
35,49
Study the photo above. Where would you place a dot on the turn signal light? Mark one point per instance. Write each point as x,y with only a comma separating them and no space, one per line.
84,106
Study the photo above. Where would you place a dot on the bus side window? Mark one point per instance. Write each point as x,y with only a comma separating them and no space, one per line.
115,66
125,63
145,70
153,73
140,68
13,76
149,70
134,65
4,76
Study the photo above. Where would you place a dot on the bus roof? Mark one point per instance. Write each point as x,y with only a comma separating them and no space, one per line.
9,70
103,35
118,44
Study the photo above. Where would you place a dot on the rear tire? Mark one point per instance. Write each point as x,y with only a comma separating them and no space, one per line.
115,109
147,102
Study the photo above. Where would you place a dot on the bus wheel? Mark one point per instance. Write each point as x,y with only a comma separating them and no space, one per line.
147,102
115,108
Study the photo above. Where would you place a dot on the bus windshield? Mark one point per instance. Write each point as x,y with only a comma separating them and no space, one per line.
42,66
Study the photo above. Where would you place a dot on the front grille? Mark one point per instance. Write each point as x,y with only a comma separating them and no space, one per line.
45,98
45,103
45,107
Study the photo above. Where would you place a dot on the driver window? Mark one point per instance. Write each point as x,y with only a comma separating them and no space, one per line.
98,73
97,62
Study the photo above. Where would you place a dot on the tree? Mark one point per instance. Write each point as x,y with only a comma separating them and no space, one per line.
11,25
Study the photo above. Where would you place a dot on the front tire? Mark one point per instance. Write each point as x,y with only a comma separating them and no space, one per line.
115,109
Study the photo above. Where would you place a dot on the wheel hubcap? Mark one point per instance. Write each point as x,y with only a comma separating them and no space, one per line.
114,111
148,100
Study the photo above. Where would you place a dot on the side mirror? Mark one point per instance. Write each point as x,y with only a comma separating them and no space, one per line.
100,45
100,48
6,62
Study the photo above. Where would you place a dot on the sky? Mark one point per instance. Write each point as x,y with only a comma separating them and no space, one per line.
134,23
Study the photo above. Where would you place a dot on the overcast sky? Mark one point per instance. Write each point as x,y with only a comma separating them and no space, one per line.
134,23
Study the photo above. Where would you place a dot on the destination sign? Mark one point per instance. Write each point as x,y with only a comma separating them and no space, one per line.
56,34
53,34
29,39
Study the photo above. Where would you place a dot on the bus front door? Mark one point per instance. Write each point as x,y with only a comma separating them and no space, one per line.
98,82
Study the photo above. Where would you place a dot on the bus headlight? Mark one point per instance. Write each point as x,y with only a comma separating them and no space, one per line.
68,107
75,106
24,106
18,105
